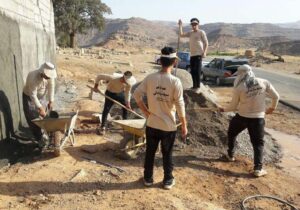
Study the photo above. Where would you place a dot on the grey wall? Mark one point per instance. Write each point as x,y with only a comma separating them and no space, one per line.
27,39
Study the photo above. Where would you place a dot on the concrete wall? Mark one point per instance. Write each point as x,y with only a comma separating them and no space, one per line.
27,39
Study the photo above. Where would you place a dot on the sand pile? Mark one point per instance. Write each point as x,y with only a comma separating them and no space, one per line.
208,130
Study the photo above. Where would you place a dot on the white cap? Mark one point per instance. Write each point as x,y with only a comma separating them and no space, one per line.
130,80
172,55
49,70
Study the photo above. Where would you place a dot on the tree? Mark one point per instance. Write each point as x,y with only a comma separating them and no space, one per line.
77,16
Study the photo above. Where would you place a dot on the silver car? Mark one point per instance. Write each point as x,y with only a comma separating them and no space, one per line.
221,70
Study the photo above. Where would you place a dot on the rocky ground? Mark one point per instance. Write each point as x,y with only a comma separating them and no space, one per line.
203,179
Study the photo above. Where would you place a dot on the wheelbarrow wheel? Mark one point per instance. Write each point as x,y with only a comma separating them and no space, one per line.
126,143
56,141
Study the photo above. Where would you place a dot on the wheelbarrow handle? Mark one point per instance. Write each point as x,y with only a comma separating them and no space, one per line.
117,102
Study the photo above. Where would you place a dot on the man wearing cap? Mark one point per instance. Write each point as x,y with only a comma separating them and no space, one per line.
248,99
164,97
118,88
198,48
39,83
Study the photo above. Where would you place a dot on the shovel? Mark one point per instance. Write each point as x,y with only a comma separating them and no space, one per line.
116,102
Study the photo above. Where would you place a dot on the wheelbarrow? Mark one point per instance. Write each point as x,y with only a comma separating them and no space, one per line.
59,130
134,137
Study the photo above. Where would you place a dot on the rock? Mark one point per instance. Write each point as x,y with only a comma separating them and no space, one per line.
185,77
4,163
78,175
96,118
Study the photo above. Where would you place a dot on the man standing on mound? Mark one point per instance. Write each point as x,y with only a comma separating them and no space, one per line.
198,49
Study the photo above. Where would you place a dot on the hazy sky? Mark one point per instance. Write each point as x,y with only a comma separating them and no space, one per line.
208,11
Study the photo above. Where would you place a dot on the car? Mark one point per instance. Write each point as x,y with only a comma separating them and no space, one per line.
184,62
222,70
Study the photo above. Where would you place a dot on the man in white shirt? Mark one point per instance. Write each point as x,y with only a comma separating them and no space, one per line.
118,88
198,48
248,99
39,83
164,97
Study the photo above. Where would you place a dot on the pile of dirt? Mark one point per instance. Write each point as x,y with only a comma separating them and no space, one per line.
208,130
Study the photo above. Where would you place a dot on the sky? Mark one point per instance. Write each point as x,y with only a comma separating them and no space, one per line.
208,11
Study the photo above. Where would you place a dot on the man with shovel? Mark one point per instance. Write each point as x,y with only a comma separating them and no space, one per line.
39,83
198,48
248,99
118,89
164,97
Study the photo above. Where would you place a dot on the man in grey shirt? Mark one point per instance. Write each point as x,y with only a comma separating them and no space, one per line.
198,49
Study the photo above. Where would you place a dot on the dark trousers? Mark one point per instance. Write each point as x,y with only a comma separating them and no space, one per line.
30,112
196,66
167,139
256,131
109,103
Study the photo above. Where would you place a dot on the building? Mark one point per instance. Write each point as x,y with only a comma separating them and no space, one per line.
27,39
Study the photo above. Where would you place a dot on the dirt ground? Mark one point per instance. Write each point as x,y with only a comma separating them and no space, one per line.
203,181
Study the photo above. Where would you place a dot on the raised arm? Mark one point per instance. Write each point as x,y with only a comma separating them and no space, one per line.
181,34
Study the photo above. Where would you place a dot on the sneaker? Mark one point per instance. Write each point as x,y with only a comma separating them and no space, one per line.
230,158
169,184
148,182
259,173
101,131
198,90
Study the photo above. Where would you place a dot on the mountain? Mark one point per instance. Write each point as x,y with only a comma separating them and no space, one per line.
138,32
290,25
286,48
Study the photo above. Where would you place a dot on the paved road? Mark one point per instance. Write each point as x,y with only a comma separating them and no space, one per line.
287,86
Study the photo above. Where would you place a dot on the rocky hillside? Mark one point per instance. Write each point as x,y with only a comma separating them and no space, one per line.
286,48
138,32
290,25
130,32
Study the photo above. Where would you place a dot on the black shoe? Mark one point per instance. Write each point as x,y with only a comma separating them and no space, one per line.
168,184
148,182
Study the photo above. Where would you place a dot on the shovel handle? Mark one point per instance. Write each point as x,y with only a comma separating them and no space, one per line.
117,102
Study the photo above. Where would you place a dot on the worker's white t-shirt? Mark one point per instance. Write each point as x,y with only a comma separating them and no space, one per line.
115,85
198,41
251,102
37,87
164,96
